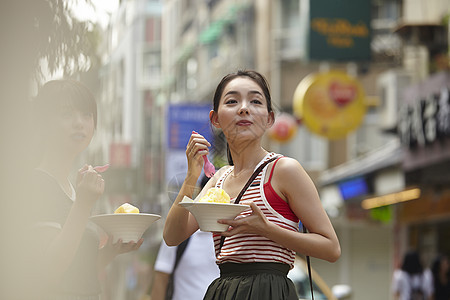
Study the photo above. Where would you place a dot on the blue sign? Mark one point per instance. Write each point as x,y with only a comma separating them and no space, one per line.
353,188
185,118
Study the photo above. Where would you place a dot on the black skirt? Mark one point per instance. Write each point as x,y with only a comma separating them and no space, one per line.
252,281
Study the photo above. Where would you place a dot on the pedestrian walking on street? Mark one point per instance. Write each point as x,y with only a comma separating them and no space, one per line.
64,253
412,281
441,277
258,250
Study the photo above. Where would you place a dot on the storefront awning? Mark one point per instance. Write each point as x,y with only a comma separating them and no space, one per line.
185,52
388,155
213,32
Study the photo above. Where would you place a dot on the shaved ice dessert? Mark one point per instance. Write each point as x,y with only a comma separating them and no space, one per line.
127,208
215,195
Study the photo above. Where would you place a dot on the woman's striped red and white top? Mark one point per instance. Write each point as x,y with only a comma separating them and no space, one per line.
249,248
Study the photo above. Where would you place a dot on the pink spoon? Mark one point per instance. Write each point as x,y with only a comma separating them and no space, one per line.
99,169
208,167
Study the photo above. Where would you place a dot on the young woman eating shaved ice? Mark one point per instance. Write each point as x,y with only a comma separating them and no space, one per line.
258,250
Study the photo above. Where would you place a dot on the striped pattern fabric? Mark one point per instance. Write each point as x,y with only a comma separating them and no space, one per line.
250,248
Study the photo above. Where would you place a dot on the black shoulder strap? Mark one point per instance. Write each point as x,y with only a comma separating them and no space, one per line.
170,284
308,262
249,182
180,250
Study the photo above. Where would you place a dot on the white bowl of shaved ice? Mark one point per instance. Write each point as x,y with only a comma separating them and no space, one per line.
213,206
126,223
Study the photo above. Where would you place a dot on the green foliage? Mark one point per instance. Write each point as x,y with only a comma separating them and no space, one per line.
446,19
64,43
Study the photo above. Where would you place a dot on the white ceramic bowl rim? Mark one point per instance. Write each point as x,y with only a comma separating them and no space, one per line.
207,213
126,226
131,214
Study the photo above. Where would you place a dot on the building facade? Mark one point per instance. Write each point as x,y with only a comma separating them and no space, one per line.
171,52
130,134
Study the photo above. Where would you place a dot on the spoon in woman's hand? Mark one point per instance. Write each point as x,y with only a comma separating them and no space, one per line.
208,167
99,169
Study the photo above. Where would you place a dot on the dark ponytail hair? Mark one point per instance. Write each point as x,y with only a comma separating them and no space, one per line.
411,263
253,75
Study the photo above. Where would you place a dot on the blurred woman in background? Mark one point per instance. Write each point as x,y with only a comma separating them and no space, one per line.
441,281
65,255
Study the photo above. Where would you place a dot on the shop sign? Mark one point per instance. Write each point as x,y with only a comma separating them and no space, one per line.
120,155
425,120
284,128
182,119
354,187
330,104
383,214
339,30
185,118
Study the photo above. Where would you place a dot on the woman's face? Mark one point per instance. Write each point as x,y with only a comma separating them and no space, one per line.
73,129
242,113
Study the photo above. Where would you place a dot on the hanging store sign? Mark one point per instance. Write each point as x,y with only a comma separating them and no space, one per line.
185,118
339,30
425,118
182,119
330,104
354,187
284,128
424,122
120,155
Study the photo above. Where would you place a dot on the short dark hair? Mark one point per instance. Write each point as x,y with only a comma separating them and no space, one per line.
70,92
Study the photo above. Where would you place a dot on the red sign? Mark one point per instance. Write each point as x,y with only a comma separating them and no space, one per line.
120,155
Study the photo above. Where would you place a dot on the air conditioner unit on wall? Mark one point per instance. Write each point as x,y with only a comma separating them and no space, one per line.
424,12
416,61
390,85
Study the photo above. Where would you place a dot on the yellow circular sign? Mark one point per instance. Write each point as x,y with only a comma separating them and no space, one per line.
330,104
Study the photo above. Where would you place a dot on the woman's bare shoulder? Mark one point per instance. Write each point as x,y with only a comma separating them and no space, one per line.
289,172
288,164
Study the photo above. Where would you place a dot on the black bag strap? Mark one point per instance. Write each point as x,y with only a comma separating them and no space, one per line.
308,262
180,250
170,284
249,182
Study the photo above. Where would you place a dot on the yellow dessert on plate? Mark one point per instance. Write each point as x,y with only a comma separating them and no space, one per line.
215,195
127,208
